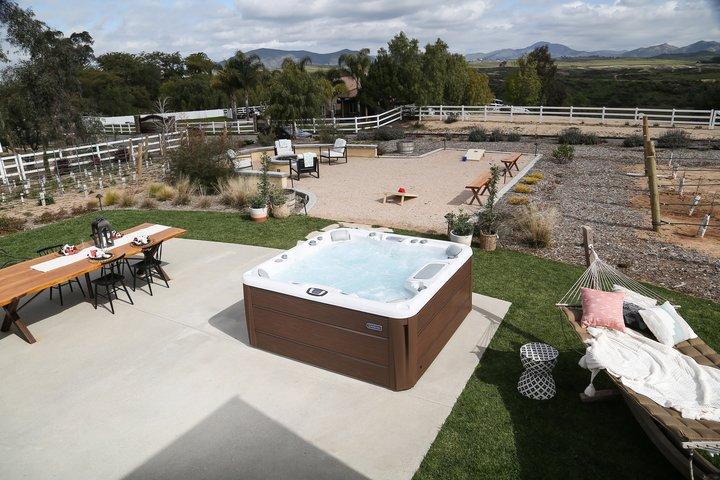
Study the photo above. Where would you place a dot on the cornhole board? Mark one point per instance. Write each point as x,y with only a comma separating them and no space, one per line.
401,195
475,154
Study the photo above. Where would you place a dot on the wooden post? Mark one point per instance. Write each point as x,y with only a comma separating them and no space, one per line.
703,226
651,172
588,240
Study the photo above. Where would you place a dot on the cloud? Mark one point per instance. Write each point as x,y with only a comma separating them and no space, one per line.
219,27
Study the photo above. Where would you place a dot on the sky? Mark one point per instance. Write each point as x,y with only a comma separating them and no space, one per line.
220,27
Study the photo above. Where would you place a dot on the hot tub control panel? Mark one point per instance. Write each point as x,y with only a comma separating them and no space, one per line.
316,292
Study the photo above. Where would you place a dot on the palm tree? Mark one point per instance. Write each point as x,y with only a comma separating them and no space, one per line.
356,66
241,72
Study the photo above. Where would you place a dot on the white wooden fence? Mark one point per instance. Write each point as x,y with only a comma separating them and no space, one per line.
20,168
668,117
237,126
353,124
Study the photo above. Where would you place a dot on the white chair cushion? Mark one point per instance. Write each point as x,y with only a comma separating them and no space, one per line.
309,159
284,147
339,146
333,154
241,163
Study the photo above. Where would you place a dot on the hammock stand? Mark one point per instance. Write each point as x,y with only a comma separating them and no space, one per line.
677,438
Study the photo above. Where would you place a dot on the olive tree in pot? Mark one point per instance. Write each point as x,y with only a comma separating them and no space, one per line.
259,202
460,227
487,222
279,204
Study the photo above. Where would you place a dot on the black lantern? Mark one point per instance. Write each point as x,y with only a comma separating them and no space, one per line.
102,233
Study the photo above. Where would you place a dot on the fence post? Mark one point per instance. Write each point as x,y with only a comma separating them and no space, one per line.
712,119
485,113
651,172
356,126
462,112
3,174
420,115
672,118
441,112
213,127
511,113
378,121
20,168
603,115
636,114
703,226
541,112
571,112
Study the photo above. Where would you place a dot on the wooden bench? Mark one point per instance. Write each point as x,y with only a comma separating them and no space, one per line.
511,161
478,187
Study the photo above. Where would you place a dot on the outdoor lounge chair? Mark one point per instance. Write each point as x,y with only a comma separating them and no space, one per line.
336,152
305,163
676,437
239,163
283,149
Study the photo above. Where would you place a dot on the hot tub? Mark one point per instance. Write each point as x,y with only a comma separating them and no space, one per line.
371,305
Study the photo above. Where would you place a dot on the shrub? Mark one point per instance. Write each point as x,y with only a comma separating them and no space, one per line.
564,153
633,140
149,204
382,150
204,202
537,174
92,205
111,197
327,133
78,210
161,192
184,190
11,224
460,223
126,200
235,192
265,139
496,135
45,217
522,188
530,180
674,139
575,136
518,200
49,200
513,137
203,161
537,226
384,134
452,118
477,135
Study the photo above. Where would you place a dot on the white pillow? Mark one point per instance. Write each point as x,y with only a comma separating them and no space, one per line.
661,324
635,298
682,331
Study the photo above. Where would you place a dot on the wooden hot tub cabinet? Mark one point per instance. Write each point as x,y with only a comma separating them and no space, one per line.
392,352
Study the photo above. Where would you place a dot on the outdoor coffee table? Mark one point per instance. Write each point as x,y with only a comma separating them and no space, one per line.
30,279
401,195
536,381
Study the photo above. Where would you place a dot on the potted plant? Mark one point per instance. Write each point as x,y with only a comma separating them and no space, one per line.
460,227
279,204
487,223
259,202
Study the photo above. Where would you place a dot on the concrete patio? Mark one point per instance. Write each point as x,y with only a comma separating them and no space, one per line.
169,388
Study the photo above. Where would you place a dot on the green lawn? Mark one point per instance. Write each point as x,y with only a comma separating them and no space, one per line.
492,431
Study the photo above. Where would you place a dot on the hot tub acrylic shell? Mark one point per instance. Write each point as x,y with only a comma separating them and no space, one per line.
389,344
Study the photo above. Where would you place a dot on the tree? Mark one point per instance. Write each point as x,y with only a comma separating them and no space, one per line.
171,65
193,93
523,87
199,64
41,92
142,76
241,73
552,91
356,66
395,77
478,90
293,94
331,92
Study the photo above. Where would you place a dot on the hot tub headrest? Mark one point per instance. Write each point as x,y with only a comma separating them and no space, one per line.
453,251
339,235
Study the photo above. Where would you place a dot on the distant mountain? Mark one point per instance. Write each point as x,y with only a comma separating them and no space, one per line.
560,50
273,58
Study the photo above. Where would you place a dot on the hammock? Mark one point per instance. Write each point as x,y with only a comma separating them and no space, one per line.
676,438
602,276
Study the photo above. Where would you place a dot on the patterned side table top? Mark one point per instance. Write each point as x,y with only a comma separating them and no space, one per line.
538,356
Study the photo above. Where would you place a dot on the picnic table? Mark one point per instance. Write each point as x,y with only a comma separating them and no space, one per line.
33,276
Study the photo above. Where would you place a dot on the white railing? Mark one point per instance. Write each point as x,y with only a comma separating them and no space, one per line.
120,128
19,168
669,117
237,127
352,124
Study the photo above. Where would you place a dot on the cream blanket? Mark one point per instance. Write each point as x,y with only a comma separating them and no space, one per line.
655,370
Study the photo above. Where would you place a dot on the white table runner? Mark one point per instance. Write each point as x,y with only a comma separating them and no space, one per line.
83,254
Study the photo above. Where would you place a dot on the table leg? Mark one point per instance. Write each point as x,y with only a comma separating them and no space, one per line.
402,200
12,317
385,198
91,294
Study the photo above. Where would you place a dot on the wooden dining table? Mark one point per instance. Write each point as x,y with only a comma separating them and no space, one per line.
20,280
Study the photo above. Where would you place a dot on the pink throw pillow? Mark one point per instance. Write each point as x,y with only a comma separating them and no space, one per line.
602,309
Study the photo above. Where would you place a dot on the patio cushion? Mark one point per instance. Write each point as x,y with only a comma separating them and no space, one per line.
284,147
333,154
602,309
309,159
339,146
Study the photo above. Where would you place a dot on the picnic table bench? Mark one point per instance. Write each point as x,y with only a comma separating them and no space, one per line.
511,161
478,187
21,279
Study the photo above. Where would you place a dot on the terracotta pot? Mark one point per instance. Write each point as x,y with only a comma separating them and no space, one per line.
463,239
259,214
488,242
281,211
